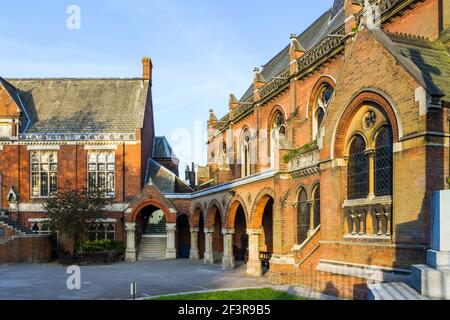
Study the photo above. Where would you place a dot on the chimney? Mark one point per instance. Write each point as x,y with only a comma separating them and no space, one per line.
190,176
147,67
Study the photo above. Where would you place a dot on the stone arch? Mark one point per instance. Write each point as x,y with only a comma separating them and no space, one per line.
259,205
214,208
231,211
371,97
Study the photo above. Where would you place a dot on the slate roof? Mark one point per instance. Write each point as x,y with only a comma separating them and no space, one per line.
165,180
427,61
325,25
162,149
81,105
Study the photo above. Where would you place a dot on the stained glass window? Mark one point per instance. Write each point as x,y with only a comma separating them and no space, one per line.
358,170
383,163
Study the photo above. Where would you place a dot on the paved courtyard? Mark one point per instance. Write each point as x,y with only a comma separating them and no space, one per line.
48,281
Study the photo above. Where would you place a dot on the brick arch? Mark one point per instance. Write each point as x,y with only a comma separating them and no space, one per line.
214,208
169,216
195,217
259,205
371,97
231,211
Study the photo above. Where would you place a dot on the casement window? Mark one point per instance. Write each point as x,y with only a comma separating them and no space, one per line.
102,231
44,173
101,171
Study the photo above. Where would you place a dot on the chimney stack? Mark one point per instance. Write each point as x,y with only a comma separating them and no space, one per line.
147,67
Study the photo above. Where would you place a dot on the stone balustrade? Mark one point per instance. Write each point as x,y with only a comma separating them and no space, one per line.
370,217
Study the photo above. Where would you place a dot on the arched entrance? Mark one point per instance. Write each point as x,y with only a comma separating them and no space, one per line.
214,237
150,233
201,238
150,228
183,237
240,239
261,235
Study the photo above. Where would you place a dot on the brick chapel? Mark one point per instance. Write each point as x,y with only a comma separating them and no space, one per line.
320,174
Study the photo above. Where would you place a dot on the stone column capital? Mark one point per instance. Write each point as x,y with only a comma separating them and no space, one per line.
227,231
171,226
195,230
252,232
208,230
130,226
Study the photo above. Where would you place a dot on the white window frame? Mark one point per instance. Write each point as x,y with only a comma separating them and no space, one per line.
50,172
111,193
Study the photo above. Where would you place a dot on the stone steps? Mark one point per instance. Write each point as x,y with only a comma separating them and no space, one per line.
393,291
152,248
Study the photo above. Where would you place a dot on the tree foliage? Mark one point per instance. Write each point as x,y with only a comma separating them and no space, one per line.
72,211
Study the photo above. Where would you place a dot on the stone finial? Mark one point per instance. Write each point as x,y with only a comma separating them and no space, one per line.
212,117
296,49
351,8
233,102
371,16
258,77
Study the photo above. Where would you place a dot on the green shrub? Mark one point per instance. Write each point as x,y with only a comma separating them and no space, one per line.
101,246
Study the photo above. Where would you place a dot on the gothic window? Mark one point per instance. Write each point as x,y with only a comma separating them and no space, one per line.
44,173
245,156
303,217
316,206
277,135
383,163
322,101
358,169
101,171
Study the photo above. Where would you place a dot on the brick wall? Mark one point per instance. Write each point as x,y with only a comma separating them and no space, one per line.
35,249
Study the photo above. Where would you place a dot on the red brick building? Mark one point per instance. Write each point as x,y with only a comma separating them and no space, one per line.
326,164
80,133
321,174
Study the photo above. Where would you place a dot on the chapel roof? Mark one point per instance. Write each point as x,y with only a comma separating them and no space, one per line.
325,25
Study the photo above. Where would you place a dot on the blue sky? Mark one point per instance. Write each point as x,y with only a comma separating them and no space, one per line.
202,50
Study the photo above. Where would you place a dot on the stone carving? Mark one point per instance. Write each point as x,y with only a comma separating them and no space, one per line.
369,120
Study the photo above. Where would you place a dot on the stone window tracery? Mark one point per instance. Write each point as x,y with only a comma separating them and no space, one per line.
323,99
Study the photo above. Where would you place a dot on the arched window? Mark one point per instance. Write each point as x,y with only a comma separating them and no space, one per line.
322,101
110,232
245,154
101,234
358,169
277,135
316,207
303,216
383,162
